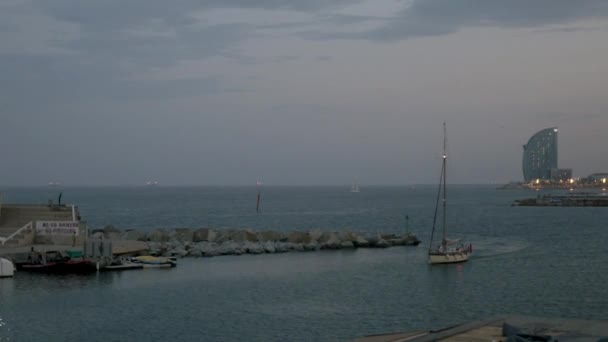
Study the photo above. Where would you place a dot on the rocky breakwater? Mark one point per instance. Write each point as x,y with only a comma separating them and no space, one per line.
207,242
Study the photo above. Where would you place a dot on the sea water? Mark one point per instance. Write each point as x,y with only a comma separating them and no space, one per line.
546,261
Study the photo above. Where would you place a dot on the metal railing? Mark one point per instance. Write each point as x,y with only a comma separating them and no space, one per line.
27,226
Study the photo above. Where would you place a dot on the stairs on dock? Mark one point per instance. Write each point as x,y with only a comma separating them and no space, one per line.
14,218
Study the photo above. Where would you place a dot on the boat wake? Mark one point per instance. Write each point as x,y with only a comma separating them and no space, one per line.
489,247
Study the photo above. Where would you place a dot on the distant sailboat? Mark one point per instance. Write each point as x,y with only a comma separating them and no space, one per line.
355,186
448,251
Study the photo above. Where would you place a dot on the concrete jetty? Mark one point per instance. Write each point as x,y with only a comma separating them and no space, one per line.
573,200
506,328
208,242
59,227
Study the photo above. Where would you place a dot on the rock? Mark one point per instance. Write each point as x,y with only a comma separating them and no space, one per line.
159,235
282,247
223,235
269,247
389,237
188,245
207,249
195,253
155,252
212,253
111,233
360,242
253,248
298,237
329,241
381,243
97,235
183,234
178,253
312,246
347,244
411,240
226,248
298,247
204,234
347,236
315,235
241,236
269,235
406,240
112,236
134,235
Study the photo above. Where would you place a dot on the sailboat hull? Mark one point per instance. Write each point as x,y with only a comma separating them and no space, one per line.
448,258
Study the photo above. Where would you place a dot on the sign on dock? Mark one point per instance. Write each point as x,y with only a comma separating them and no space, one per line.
66,228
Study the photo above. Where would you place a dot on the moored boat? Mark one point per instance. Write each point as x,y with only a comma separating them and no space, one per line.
7,269
56,262
149,261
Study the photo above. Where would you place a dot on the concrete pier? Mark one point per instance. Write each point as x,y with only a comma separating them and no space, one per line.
564,201
501,328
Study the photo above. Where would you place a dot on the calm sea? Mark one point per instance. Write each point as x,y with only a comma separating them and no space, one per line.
535,261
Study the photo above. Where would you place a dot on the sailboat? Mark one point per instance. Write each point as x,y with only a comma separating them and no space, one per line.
449,250
355,186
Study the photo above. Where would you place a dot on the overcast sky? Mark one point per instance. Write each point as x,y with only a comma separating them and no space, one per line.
224,92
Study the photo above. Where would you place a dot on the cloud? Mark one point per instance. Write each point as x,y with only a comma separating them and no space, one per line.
117,14
438,17
95,47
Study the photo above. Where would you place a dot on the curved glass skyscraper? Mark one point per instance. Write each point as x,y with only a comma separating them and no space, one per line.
540,155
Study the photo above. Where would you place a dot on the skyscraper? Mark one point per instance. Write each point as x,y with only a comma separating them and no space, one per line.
540,155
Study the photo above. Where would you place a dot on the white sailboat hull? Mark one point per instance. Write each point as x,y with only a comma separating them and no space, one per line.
448,258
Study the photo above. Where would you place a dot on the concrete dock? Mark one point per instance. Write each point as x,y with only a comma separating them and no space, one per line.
118,248
501,328
564,201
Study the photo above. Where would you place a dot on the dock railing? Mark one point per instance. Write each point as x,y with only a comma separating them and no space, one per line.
26,227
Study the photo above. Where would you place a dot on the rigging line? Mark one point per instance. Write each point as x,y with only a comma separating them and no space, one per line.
436,207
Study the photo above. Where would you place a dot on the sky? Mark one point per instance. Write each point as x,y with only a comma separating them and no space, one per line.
316,92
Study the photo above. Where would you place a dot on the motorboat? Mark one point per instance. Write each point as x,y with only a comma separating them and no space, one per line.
7,269
149,261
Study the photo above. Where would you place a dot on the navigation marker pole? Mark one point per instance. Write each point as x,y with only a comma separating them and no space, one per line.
257,204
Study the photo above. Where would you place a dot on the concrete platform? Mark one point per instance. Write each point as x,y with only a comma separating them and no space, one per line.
492,330
119,247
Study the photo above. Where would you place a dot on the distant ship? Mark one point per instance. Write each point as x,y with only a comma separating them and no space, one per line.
54,184
151,183
355,186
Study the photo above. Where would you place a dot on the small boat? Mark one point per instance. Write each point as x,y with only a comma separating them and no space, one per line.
7,269
449,250
124,266
56,262
149,261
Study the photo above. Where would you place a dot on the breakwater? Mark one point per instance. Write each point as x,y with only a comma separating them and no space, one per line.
208,242
564,201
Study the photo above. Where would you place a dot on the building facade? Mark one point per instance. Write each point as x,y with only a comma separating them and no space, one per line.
540,155
561,175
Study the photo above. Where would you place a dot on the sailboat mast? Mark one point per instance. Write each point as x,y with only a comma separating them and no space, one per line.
444,181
